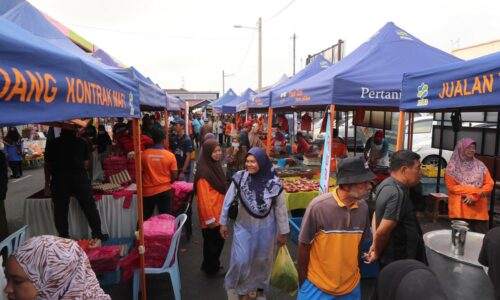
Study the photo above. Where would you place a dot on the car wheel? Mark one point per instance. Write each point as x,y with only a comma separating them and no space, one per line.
434,160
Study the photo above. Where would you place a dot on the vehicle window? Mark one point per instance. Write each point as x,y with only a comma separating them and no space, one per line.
424,126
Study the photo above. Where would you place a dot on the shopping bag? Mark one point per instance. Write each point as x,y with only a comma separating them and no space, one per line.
284,275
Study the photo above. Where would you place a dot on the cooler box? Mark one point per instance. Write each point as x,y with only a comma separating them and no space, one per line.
295,228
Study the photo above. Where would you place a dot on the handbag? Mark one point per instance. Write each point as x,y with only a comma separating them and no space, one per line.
233,209
232,213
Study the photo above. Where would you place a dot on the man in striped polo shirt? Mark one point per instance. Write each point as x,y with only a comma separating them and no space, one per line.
334,227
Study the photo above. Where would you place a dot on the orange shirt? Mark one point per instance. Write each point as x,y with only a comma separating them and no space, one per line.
458,209
339,150
228,128
260,121
157,168
335,233
209,203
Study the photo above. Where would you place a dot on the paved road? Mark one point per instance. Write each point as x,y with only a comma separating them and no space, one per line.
18,190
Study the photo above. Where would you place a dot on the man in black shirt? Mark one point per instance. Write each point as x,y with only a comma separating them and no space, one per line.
67,161
490,257
4,229
398,234
182,146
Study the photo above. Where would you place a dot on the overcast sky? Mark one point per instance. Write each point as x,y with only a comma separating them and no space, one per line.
187,43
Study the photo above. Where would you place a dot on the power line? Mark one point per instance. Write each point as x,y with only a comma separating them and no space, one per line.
206,38
279,12
246,54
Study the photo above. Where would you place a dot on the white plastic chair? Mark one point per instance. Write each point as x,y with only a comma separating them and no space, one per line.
14,240
170,265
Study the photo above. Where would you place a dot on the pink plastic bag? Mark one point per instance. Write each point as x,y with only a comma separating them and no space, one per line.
104,259
158,233
181,190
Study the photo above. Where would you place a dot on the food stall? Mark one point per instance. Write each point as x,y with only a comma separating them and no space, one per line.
352,83
460,87
466,86
58,98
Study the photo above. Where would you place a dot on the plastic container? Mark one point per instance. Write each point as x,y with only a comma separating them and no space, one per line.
113,277
368,270
295,228
109,278
282,162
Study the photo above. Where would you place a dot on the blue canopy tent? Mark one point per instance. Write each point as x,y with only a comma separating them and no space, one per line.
230,107
173,103
465,85
26,16
370,76
151,96
217,104
262,100
41,83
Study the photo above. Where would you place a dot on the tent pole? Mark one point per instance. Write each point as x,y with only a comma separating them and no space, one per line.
312,132
441,137
401,130
332,119
495,171
269,129
346,128
138,181
165,119
186,116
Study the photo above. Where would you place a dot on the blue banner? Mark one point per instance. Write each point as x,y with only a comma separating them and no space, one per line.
466,84
324,180
40,83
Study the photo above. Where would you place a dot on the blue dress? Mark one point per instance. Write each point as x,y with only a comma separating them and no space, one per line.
254,245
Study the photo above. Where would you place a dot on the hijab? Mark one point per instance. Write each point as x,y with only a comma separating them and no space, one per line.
206,137
257,191
207,128
409,280
59,269
209,169
465,171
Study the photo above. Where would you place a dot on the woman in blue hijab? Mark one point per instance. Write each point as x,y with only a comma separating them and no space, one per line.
261,225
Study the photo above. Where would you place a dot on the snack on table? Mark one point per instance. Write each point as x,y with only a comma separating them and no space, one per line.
107,187
300,185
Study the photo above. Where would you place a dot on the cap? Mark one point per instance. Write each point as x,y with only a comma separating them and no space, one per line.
247,123
353,170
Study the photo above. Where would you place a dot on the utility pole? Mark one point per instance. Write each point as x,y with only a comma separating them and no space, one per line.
223,87
294,38
259,27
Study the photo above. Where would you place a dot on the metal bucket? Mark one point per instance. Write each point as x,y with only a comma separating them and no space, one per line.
459,222
458,238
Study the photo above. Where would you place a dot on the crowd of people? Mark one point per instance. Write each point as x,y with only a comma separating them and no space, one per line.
250,195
